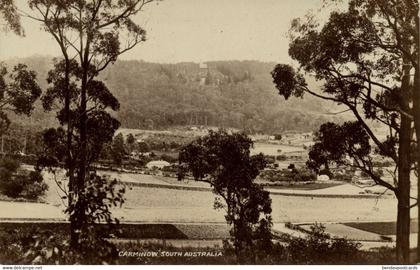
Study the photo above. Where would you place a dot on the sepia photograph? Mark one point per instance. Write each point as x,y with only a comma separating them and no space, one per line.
209,133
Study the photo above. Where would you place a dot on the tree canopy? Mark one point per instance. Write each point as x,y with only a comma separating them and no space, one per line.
224,161
363,56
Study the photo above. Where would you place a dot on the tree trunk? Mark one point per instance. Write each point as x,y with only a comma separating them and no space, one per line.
416,114
78,218
404,164
69,158
403,233
403,216
416,110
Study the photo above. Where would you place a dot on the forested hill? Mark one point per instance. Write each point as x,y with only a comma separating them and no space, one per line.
237,94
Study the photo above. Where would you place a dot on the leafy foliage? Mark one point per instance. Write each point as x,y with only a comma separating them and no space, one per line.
336,142
363,56
84,101
224,161
118,149
18,92
15,182
10,15
319,248
297,175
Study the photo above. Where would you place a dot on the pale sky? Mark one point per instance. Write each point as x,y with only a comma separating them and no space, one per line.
193,30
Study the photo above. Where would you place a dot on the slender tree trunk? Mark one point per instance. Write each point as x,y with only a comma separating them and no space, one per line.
79,216
69,163
69,158
403,231
417,129
404,166
416,113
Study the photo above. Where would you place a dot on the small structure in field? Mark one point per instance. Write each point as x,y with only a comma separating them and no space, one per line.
160,164
322,177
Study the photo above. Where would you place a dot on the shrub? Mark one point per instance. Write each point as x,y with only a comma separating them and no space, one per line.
35,244
326,172
33,191
383,163
270,159
14,186
15,183
281,158
301,175
319,248
169,158
345,177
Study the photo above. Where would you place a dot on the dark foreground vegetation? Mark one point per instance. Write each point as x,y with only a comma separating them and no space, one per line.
47,244
18,183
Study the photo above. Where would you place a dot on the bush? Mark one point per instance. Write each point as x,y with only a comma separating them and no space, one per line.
35,244
33,191
15,183
270,159
383,163
278,137
326,172
301,175
345,177
13,187
281,158
169,158
319,248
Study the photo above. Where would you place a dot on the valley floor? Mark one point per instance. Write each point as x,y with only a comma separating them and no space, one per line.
160,200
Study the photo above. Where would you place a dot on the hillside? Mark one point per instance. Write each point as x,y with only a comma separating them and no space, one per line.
236,94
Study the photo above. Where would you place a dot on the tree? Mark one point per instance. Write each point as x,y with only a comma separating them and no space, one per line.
10,16
118,149
18,93
18,89
131,142
89,35
143,147
401,21
350,55
223,160
87,205
130,139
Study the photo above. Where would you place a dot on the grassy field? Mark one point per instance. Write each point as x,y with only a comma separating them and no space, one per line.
162,205
382,228
155,204
132,231
343,231
309,186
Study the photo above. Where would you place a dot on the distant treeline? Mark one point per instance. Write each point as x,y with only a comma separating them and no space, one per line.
236,94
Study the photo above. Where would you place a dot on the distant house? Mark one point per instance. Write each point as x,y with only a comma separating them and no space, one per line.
134,155
308,144
157,164
307,135
203,66
322,177
204,71
146,154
